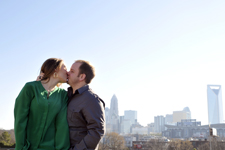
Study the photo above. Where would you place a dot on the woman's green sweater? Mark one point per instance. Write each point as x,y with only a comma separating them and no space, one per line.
41,119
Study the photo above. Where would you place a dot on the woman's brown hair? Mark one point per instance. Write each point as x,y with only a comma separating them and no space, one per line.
49,67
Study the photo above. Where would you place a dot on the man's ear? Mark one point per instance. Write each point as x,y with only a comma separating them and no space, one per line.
82,77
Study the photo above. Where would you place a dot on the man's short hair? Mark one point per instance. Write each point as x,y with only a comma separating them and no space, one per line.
87,69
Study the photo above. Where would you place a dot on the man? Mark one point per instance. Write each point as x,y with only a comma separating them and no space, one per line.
85,113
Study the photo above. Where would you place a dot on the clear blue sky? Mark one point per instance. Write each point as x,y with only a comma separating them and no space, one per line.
156,56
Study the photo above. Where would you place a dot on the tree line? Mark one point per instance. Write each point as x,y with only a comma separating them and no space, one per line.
114,141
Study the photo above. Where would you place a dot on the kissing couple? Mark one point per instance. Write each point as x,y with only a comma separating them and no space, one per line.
48,117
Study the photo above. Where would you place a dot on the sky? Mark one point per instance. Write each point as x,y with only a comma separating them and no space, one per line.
155,56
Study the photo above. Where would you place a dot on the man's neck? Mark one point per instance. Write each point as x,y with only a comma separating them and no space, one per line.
77,86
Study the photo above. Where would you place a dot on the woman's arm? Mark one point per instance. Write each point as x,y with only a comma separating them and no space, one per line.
21,112
62,141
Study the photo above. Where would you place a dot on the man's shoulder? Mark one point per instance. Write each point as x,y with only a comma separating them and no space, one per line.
90,93
93,97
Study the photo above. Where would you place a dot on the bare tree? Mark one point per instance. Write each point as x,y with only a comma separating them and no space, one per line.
112,141
204,146
217,144
156,144
180,145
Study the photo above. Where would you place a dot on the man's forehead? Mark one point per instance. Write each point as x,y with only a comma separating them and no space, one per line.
75,65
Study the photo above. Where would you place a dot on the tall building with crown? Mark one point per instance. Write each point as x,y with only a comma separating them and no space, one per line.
114,115
215,104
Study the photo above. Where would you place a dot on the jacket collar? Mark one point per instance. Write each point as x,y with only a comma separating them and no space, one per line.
79,91
83,89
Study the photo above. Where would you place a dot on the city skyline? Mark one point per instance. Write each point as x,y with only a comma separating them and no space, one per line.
131,115
180,124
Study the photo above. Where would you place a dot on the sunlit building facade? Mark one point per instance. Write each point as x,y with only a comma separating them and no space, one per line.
169,119
107,119
130,115
179,115
159,124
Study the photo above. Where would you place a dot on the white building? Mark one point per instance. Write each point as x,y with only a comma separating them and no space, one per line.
107,119
215,104
151,128
129,140
114,114
140,130
127,126
130,115
159,122
187,110
169,119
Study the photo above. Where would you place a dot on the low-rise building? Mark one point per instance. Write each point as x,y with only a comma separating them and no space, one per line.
129,140
140,130
151,128
190,128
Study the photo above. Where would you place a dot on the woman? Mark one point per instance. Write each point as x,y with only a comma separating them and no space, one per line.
40,111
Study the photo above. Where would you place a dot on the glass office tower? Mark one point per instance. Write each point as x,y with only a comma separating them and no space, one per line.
215,104
130,115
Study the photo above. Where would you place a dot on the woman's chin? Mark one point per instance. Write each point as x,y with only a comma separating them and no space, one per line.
63,81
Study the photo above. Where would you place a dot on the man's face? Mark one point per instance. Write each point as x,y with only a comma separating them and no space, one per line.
73,74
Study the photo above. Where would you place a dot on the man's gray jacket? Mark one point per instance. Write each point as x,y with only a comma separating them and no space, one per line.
86,119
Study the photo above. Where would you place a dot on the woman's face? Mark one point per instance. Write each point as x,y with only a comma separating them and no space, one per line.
62,74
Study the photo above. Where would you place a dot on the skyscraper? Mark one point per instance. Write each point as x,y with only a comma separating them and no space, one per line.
114,114
129,118
215,104
107,115
107,119
130,115
159,123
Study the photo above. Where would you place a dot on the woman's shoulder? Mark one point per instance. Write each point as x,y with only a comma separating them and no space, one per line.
31,84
